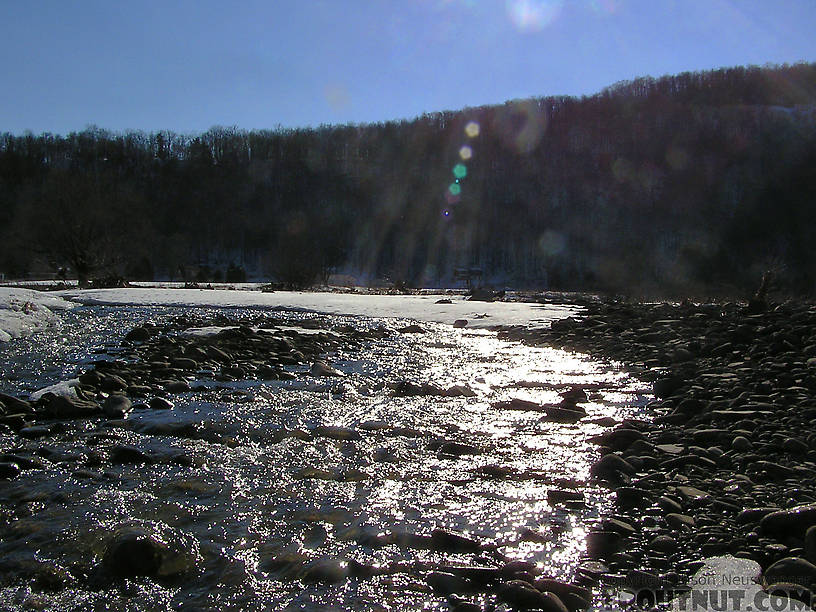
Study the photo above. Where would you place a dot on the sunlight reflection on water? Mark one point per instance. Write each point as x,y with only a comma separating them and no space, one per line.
257,489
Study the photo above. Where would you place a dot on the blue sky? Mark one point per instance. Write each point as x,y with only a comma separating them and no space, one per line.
189,65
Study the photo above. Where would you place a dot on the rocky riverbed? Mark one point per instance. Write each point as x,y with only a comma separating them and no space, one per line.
201,459
725,464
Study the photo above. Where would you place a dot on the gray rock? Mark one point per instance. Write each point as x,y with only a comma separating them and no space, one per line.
34,432
159,403
327,570
792,570
62,407
444,583
150,550
125,453
459,323
793,522
116,406
14,405
741,443
523,596
810,544
610,467
9,470
321,368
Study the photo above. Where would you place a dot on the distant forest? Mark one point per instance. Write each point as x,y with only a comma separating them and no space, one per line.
689,184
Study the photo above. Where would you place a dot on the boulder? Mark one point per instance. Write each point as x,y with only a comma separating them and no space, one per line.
792,522
64,407
153,550
116,406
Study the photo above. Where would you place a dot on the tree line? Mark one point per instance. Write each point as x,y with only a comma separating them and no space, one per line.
693,183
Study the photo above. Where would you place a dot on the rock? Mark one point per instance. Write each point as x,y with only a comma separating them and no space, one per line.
754,515
125,453
459,391
138,334
184,363
810,544
610,467
665,387
741,443
149,550
34,432
9,470
663,543
792,570
452,542
523,596
793,522
631,497
560,414
460,323
566,592
177,386
692,494
116,406
113,383
457,449
444,583
617,439
321,368
603,544
412,329
15,406
795,446
159,403
679,521
328,570
63,407
559,496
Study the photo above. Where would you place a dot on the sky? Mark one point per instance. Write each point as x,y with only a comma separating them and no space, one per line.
188,65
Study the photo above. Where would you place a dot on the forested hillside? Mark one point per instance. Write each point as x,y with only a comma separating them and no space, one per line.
694,183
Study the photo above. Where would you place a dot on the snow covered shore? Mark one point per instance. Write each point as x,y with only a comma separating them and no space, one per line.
419,307
23,311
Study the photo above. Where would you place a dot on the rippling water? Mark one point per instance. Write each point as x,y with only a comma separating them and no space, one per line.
253,495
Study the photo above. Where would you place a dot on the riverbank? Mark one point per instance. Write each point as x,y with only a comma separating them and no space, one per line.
728,463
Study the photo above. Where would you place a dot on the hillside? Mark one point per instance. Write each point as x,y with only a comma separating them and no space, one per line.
686,184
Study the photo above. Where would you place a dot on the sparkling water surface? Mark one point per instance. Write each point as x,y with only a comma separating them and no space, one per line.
253,494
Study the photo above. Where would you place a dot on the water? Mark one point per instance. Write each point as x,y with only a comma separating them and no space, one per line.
254,492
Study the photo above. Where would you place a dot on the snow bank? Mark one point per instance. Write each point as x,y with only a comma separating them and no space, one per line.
24,311
418,307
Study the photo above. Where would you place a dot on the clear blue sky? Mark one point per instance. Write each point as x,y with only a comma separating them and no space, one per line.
189,65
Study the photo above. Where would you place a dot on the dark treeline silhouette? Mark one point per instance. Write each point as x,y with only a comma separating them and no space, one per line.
694,183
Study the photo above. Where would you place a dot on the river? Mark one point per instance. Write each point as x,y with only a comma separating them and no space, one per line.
259,494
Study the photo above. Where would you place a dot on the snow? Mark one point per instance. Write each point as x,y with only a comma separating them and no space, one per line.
417,307
25,311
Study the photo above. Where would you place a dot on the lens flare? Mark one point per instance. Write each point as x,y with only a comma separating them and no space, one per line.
460,171
451,198
465,153
472,129
533,15
455,189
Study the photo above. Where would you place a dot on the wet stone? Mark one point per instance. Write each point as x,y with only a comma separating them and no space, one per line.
9,470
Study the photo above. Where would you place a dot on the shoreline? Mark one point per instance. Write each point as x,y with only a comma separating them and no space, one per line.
727,463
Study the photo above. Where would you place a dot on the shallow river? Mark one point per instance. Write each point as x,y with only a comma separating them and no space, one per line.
255,501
